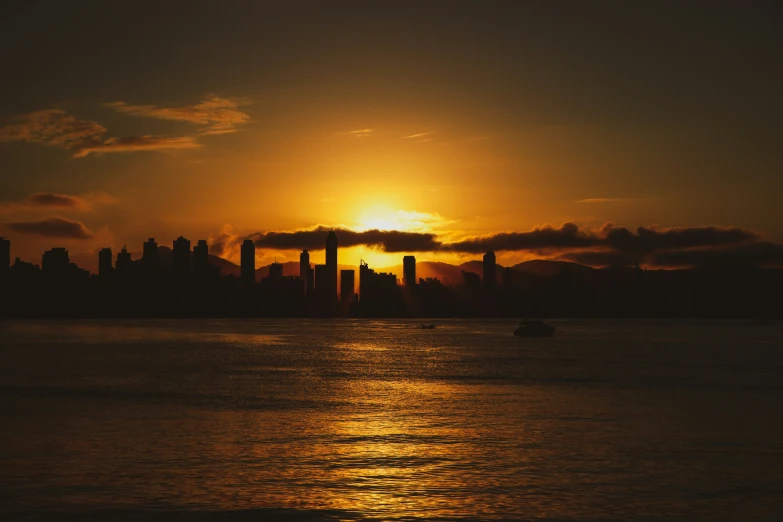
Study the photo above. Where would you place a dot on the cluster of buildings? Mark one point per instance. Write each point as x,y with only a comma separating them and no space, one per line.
182,282
183,279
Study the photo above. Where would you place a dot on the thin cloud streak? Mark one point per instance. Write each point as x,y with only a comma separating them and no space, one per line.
219,115
414,136
604,200
361,133
139,143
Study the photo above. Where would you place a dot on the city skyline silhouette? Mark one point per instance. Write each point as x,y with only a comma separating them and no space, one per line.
189,281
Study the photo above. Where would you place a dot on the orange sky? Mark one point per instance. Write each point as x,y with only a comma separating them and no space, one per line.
459,122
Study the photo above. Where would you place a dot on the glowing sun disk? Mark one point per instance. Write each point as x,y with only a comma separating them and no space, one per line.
383,218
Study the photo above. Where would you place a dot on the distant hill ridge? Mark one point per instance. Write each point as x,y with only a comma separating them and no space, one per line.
448,274
524,274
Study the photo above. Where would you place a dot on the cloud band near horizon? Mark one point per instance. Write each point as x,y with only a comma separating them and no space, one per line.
609,245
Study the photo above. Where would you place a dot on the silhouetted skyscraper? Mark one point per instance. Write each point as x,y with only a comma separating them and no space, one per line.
471,280
508,277
5,254
364,275
181,249
304,272
124,263
331,263
248,261
201,257
309,282
276,270
54,263
490,270
347,286
322,280
150,258
104,262
409,270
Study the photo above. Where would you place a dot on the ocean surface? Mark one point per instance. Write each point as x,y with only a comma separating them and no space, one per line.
354,420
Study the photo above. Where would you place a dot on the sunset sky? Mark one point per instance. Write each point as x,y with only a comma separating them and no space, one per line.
452,121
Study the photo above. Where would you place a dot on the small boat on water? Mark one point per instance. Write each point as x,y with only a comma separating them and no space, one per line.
534,328
430,326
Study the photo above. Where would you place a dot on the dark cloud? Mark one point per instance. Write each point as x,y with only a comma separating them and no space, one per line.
651,239
759,253
53,200
606,246
53,227
49,199
568,236
315,238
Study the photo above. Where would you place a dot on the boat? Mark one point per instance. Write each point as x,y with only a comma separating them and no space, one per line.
430,326
534,328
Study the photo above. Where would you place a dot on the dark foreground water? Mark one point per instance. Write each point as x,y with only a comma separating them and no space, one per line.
349,420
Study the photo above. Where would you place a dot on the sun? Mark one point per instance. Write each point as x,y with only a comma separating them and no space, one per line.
383,218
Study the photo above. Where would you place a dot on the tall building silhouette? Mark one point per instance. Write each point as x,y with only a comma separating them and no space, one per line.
364,275
409,270
150,258
331,263
347,286
201,257
248,261
304,272
54,263
5,254
104,263
490,270
124,264
276,270
309,282
471,280
508,277
323,284
181,267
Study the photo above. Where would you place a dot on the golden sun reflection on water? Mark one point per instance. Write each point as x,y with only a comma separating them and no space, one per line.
381,420
400,451
395,455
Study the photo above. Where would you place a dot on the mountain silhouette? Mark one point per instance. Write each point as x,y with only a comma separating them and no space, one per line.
548,268
447,273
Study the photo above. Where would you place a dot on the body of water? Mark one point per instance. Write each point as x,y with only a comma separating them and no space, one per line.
352,420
